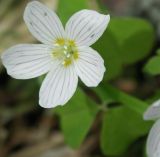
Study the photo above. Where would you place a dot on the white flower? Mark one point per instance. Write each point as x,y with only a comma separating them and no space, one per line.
64,54
153,141
153,112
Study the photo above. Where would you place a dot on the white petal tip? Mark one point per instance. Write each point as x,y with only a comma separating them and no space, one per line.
108,16
153,111
23,61
49,106
45,105
87,26
31,4
43,23
145,116
58,87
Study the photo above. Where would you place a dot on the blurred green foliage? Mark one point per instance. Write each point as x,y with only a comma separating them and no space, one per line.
66,10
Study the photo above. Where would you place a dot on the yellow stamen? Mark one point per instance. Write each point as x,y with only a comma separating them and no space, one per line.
66,51
71,43
60,41
67,62
75,55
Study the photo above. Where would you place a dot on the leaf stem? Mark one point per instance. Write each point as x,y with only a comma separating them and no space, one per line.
131,102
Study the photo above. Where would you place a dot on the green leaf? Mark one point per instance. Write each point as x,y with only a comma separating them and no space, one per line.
121,127
67,8
76,118
153,66
126,41
135,37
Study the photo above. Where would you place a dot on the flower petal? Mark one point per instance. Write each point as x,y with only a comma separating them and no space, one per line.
43,23
58,87
153,112
153,141
89,66
86,27
27,60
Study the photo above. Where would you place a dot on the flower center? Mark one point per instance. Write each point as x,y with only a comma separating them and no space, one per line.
66,51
